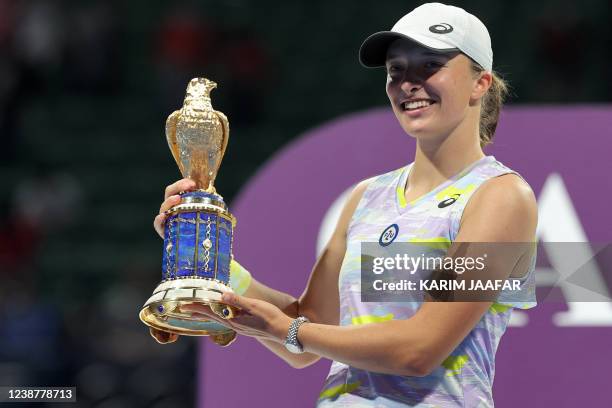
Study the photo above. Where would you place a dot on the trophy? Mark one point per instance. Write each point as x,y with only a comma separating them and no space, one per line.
199,230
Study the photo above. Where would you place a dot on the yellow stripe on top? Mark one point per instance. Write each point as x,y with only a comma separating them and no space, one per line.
454,364
452,190
401,198
366,319
434,243
497,308
339,389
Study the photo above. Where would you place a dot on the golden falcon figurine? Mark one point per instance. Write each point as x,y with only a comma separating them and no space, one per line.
198,231
196,158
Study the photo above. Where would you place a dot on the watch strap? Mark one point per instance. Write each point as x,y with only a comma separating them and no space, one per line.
291,342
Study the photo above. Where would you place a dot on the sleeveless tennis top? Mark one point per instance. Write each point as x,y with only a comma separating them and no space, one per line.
465,378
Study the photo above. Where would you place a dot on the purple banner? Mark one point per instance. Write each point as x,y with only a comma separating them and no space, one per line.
554,355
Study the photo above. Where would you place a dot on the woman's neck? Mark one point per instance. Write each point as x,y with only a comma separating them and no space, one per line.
437,161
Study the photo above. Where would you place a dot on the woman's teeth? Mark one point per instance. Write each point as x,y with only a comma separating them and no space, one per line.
416,104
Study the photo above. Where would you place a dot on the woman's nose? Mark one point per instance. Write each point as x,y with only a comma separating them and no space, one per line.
410,81
409,86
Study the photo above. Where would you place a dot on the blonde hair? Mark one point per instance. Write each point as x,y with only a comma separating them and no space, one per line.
491,105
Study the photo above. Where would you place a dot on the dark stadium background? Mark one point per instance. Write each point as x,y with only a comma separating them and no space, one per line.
85,88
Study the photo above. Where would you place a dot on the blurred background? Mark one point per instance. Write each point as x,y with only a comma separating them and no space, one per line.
85,89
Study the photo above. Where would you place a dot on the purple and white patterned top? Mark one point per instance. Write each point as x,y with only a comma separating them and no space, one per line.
465,378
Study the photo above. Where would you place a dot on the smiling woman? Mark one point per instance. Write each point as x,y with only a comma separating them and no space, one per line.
442,73
445,95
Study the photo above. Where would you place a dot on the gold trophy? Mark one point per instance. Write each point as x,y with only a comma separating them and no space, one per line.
199,230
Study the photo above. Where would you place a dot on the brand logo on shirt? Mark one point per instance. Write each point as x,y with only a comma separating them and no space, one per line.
388,235
442,28
448,201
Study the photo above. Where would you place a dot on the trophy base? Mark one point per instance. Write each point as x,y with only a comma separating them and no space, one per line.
162,311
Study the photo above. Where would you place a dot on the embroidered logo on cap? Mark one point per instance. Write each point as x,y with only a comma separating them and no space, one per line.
442,28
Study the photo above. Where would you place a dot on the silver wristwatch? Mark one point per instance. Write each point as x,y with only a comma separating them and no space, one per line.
291,342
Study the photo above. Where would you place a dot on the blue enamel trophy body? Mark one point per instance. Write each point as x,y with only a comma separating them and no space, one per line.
198,231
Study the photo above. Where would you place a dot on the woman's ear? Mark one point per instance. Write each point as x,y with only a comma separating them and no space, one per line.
482,85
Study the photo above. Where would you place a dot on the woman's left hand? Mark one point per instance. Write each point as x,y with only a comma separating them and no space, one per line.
257,318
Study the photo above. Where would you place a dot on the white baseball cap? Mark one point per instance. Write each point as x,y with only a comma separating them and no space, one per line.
435,26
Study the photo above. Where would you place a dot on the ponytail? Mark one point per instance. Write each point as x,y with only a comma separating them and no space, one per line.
491,105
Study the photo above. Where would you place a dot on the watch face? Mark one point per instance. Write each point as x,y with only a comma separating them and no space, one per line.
293,348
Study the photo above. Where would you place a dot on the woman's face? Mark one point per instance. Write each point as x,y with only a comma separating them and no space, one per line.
430,93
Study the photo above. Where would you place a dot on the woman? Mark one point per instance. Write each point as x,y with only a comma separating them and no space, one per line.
443,92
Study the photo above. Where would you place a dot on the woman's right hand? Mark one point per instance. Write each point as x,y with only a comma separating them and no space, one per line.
171,198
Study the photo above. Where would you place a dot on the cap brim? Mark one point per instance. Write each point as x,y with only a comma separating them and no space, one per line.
373,51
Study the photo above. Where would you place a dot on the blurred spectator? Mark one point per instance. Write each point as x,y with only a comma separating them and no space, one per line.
39,36
48,200
248,69
18,242
9,82
31,47
184,44
9,104
39,205
188,46
566,50
93,61
31,334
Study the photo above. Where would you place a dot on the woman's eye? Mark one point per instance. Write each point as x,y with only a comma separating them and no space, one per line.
433,64
392,69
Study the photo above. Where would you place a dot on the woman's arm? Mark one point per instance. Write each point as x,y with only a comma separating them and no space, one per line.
289,305
319,301
502,210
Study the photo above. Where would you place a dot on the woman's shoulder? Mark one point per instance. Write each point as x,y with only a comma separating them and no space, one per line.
390,175
507,189
506,199
373,186
505,184
384,180
500,184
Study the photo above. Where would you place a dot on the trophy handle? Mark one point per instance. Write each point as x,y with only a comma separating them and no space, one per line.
171,137
225,124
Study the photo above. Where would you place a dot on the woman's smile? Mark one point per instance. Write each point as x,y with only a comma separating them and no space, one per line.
414,109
